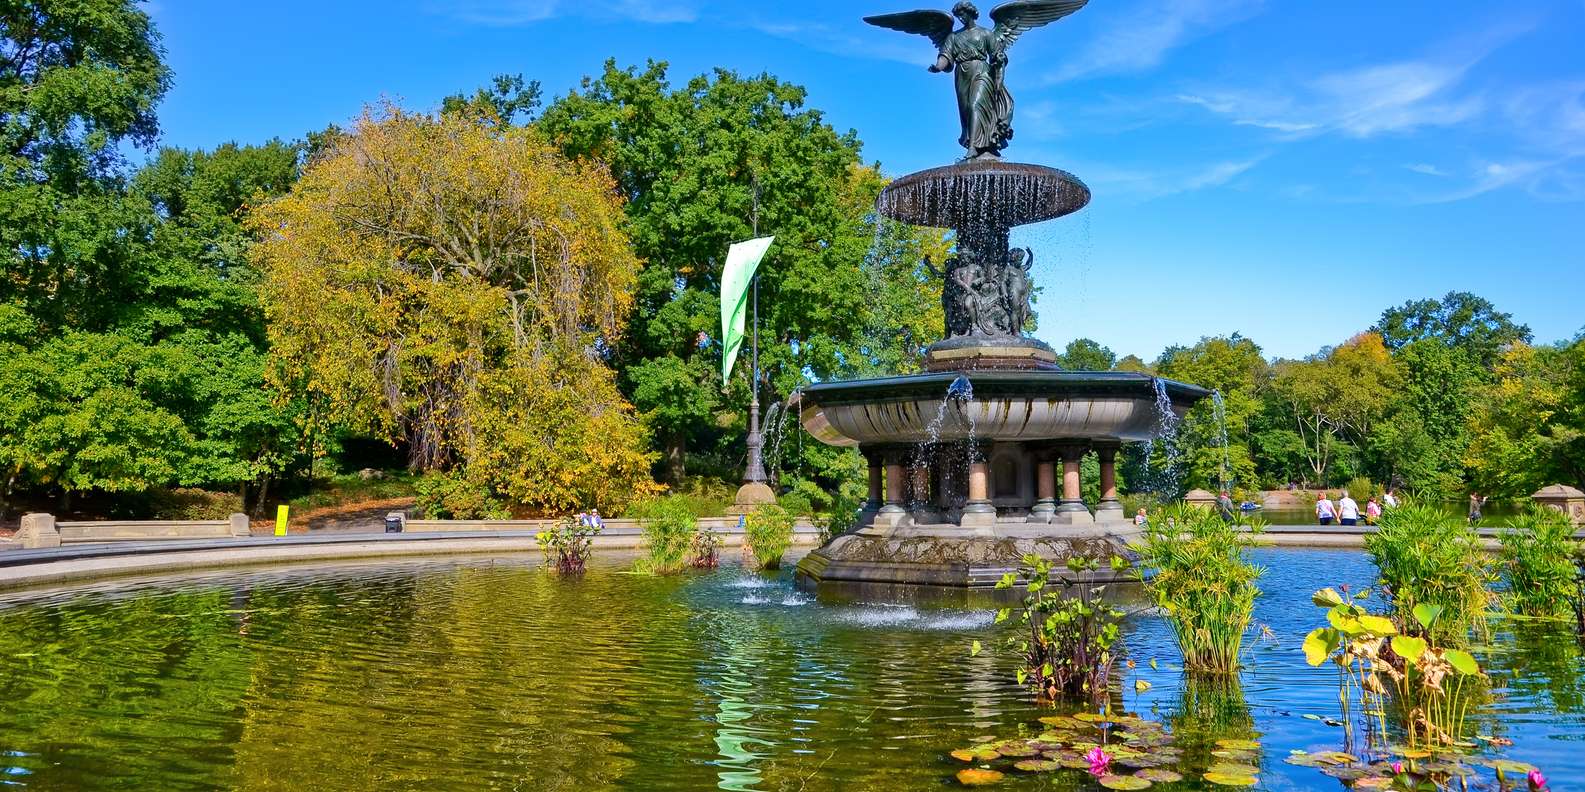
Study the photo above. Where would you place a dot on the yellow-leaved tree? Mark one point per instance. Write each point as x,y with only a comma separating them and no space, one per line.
448,282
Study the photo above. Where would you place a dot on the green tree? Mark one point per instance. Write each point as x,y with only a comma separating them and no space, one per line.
1233,367
711,163
1083,354
1460,319
1528,429
1334,400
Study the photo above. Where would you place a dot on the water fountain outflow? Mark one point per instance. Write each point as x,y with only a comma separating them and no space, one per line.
975,463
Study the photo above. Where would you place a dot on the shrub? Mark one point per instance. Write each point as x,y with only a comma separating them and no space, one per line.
1538,556
701,498
568,546
1427,556
669,530
454,496
705,549
767,533
194,504
1202,582
841,520
1064,641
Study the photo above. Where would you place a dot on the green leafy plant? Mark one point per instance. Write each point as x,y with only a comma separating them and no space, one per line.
767,533
841,519
455,496
705,550
569,545
1202,582
669,529
1065,640
1538,559
1427,556
1429,684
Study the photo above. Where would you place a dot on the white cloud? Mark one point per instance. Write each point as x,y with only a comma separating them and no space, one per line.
1145,185
511,13
1489,176
1140,40
1425,168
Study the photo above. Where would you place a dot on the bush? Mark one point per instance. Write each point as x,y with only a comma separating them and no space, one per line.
568,546
767,533
841,520
1538,557
705,549
700,497
1064,642
1203,583
194,504
453,496
669,530
1427,556
1363,489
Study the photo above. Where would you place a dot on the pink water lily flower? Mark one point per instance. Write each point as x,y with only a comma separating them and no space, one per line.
1100,762
1537,781
1397,768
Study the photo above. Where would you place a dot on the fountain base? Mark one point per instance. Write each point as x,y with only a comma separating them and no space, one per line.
963,556
981,353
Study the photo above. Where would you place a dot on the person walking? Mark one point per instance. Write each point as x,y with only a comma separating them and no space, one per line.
1372,511
1325,512
1224,506
1390,500
1347,510
1475,504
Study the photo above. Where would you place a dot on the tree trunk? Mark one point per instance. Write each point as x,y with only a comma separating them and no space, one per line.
264,494
676,455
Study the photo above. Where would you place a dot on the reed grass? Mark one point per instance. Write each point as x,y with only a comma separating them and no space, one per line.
1203,582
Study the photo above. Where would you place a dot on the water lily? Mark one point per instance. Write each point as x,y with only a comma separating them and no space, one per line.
1100,761
1397,768
1537,781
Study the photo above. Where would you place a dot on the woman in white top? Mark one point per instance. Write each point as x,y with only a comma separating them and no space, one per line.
1347,510
1324,510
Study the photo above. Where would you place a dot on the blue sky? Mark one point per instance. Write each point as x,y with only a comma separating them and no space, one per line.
1281,169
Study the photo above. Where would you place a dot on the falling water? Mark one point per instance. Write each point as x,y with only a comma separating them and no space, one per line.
961,393
1219,410
1168,482
775,420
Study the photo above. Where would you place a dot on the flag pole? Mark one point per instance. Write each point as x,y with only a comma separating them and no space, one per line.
756,442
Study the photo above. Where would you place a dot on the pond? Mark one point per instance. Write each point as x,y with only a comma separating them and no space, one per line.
493,674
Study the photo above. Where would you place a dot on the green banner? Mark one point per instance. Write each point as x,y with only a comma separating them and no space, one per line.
742,262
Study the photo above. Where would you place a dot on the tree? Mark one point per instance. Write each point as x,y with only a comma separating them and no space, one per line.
1528,429
1333,401
437,280
714,162
1216,446
1083,354
1460,319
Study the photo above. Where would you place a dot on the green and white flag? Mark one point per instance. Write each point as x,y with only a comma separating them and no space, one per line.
742,261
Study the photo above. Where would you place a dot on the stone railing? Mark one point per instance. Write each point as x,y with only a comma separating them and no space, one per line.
41,530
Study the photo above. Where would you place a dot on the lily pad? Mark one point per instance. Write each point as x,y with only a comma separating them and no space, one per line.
1236,756
1348,773
1221,779
1239,745
1373,782
1409,753
1159,776
964,755
977,777
1091,717
1075,763
1511,767
1015,749
1036,765
1124,782
1232,768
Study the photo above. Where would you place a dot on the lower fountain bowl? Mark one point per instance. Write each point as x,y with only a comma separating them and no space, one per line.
1005,405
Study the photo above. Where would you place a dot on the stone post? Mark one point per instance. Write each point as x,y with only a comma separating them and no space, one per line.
1110,509
38,531
1045,489
241,525
892,514
1563,498
877,484
1072,511
979,512
919,495
1200,497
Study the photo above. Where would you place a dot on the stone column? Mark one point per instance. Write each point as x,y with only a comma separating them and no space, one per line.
1045,489
1110,509
877,485
979,512
1072,511
892,513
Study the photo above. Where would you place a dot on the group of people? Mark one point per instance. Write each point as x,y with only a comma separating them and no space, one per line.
1346,510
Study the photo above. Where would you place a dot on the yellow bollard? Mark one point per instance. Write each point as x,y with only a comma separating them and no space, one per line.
280,520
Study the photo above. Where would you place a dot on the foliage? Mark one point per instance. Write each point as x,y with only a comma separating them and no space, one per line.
353,488
1429,682
191,503
709,163
1538,550
1527,430
702,498
1429,557
441,281
1064,641
1083,354
1339,395
840,520
1203,582
455,496
704,552
767,533
669,530
1233,367
569,545
1460,320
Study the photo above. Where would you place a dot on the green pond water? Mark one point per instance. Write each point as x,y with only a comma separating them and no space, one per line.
493,674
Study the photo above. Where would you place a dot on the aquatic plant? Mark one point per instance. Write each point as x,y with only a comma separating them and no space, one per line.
705,550
669,527
1538,550
767,533
1202,582
568,546
1428,684
1065,640
1428,557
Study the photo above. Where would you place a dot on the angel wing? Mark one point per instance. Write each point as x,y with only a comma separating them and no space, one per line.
935,24
1018,17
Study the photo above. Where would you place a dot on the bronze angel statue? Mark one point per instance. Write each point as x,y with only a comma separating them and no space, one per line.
979,57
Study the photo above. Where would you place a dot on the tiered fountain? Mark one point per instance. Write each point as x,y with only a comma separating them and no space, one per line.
964,460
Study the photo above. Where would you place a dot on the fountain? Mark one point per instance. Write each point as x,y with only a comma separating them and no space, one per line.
964,459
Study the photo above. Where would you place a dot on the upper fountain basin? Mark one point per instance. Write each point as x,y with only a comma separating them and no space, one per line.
983,193
1006,405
